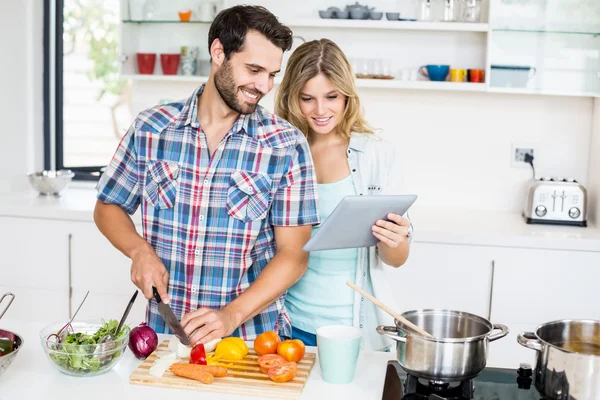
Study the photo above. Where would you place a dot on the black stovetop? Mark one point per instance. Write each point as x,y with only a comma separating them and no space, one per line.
490,384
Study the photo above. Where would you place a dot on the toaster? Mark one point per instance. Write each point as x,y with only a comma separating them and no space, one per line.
556,201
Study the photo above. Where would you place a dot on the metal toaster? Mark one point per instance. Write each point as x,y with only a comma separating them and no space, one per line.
556,201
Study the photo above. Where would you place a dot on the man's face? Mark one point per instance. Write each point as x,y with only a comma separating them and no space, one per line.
248,75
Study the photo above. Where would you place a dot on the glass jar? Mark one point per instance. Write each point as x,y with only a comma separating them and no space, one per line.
471,10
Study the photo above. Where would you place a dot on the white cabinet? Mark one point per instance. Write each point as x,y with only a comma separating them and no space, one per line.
444,276
538,286
532,287
103,270
35,267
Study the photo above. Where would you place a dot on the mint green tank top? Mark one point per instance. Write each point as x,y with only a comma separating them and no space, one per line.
321,297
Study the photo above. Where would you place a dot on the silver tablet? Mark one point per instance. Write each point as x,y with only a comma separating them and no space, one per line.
349,224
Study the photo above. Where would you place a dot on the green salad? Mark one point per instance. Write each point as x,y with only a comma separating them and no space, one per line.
78,353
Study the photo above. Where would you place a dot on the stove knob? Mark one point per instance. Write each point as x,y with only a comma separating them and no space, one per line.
540,211
524,376
574,212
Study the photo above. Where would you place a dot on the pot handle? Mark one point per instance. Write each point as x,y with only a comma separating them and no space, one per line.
385,331
503,332
9,302
529,340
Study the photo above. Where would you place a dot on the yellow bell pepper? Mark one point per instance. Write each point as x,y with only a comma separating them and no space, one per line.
229,350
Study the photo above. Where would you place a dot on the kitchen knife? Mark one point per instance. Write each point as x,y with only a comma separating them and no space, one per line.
170,319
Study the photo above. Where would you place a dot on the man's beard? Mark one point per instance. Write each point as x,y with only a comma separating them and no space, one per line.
226,87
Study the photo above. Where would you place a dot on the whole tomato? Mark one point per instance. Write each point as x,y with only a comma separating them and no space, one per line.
266,343
291,350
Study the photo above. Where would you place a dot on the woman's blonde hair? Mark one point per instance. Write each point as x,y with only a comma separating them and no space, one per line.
307,61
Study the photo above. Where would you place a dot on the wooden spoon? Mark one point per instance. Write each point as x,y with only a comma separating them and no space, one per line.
389,310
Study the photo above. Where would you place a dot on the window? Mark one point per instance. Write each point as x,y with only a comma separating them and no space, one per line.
86,103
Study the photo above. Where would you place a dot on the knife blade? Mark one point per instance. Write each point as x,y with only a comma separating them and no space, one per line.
170,319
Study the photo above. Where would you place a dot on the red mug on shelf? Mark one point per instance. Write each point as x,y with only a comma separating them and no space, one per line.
169,63
476,75
146,63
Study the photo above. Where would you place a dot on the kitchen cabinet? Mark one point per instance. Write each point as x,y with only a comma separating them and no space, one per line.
35,267
538,286
103,270
545,46
439,275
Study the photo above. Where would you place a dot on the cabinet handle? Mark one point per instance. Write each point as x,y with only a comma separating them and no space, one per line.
69,266
491,290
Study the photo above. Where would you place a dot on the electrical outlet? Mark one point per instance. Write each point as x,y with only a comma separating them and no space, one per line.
518,155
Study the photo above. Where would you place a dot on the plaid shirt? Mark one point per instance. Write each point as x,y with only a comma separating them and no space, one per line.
211,219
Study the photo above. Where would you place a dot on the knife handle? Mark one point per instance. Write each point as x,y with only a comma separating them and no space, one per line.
156,295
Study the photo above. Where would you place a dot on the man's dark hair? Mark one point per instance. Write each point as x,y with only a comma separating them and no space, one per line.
231,25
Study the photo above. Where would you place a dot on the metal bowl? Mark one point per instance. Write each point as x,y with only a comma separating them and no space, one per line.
51,183
7,359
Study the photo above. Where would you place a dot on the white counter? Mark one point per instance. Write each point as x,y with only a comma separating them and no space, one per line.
483,228
32,376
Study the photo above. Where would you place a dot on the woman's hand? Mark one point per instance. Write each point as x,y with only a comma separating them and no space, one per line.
392,233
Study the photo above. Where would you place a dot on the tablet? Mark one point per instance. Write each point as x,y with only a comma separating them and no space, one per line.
349,224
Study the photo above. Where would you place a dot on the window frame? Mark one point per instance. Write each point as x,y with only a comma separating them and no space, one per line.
54,95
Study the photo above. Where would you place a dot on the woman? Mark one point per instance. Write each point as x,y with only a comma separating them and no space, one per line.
318,96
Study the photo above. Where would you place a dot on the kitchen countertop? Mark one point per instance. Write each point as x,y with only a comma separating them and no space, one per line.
32,376
483,228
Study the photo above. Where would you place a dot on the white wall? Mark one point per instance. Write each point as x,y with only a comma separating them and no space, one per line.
456,147
21,87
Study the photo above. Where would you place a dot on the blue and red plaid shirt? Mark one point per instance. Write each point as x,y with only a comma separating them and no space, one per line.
211,219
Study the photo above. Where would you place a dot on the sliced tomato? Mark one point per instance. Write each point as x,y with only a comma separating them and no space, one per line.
268,361
284,372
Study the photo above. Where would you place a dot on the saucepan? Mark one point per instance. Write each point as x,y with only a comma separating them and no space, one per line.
457,351
568,359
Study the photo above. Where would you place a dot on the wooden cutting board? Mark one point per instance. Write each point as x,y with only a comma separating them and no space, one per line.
243,378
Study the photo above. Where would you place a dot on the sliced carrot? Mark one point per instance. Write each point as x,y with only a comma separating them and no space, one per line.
191,371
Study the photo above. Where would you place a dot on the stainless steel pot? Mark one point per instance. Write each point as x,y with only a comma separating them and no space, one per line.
457,351
568,359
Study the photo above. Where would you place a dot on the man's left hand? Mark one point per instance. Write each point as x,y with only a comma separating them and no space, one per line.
210,324
393,232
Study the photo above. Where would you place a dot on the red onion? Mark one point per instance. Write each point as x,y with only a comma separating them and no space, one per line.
142,341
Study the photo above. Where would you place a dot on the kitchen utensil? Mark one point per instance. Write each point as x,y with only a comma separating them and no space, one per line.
108,337
170,319
243,378
83,359
388,310
207,10
185,15
436,73
425,11
339,14
556,201
376,15
326,14
49,182
392,16
471,10
18,342
567,359
338,347
9,302
64,332
476,75
146,63
511,76
457,352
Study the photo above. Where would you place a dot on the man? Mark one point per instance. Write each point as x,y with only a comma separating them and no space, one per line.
227,192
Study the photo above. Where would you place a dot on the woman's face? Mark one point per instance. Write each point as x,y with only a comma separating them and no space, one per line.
321,104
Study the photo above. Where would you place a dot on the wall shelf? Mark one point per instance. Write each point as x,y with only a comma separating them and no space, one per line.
389,25
546,31
360,83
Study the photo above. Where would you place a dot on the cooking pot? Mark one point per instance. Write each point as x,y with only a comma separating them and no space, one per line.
568,359
456,352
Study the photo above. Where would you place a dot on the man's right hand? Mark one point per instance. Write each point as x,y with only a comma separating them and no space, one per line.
148,270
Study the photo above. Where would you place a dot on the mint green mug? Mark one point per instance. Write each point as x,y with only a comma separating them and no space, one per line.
338,347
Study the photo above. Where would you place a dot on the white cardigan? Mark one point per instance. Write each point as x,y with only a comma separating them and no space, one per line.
375,170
